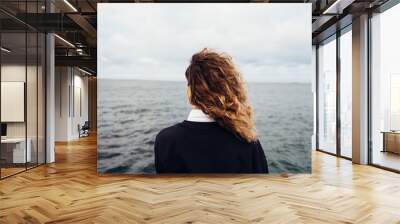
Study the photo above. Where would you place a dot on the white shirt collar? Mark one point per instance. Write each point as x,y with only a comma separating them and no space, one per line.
198,115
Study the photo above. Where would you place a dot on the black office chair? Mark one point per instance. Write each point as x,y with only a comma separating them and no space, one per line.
84,130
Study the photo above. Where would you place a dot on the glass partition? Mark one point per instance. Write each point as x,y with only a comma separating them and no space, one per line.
327,95
41,109
346,93
31,100
385,89
13,109
22,77
34,59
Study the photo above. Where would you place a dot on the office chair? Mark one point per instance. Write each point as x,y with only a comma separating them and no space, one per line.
84,130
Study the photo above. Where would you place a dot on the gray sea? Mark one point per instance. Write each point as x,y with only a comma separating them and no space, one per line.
132,112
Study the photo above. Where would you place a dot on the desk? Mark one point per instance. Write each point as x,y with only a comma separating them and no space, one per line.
15,148
391,141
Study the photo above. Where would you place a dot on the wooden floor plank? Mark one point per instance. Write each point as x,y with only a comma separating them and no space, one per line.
70,191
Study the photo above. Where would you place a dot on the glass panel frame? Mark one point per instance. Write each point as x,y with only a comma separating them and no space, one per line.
345,61
327,78
13,74
32,97
26,62
384,68
338,103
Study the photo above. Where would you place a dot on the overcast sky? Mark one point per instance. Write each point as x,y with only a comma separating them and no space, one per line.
268,42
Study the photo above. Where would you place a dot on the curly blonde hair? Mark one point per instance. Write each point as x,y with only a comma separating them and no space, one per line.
217,88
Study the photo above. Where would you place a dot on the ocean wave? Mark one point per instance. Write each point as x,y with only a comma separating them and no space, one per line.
107,155
130,116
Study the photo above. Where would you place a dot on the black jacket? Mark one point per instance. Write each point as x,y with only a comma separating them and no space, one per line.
206,147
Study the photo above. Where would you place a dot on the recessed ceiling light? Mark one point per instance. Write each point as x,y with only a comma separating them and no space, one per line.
70,5
5,50
84,71
64,40
337,7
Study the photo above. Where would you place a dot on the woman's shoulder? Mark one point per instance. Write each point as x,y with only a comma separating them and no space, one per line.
170,132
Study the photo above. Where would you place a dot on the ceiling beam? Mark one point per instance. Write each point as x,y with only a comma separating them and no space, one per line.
86,26
82,61
337,6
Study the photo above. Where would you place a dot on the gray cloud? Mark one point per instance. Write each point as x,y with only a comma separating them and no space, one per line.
268,42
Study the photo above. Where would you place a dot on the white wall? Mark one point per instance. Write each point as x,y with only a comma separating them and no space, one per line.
80,109
62,81
70,83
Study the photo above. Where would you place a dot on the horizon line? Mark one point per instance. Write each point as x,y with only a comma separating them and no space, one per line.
171,80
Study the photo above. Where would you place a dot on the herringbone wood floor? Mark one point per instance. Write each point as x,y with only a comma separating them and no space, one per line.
70,191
